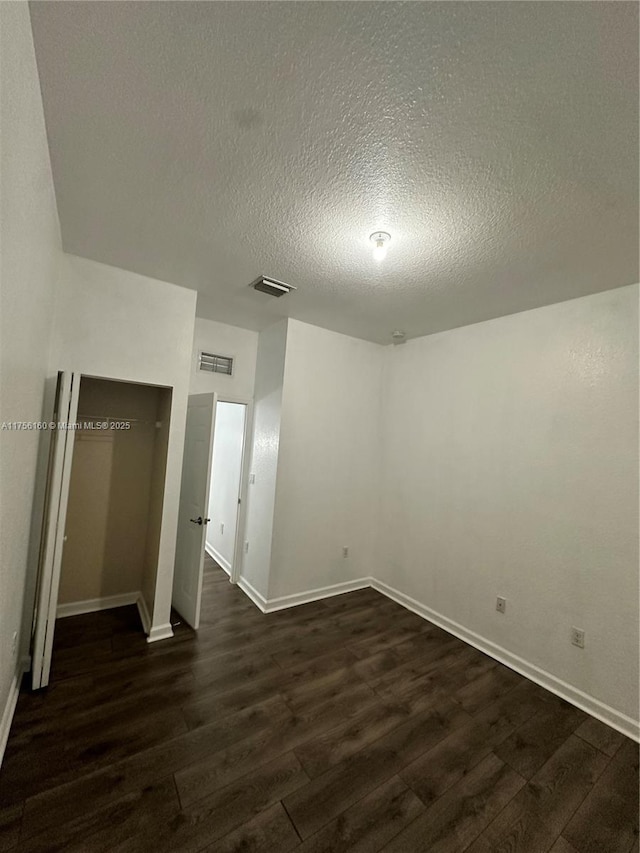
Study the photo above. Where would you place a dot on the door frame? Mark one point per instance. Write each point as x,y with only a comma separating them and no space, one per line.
238,552
207,401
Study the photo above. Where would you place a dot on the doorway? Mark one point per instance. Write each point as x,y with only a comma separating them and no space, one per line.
211,512
226,481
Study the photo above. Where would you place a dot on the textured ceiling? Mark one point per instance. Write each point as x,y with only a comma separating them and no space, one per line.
206,143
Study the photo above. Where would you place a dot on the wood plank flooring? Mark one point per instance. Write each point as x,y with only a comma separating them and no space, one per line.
348,724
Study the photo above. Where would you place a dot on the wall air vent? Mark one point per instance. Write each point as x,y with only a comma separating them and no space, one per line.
216,363
271,286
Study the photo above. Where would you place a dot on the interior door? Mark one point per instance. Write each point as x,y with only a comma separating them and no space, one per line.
55,513
194,500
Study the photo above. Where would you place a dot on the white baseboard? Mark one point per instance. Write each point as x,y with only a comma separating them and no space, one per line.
92,605
143,612
220,560
251,592
285,601
10,705
75,608
160,632
605,713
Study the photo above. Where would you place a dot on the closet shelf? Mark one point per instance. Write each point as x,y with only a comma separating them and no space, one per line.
82,417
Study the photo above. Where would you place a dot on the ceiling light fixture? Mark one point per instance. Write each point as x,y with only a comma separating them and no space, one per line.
380,240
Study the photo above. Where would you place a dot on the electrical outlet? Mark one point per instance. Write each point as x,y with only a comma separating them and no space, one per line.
501,604
577,637
345,550
14,644
221,528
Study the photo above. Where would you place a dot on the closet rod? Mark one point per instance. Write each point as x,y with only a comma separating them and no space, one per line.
82,417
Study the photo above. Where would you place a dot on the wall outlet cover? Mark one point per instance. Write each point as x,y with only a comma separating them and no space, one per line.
577,637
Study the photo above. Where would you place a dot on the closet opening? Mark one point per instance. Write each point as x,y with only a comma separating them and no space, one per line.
116,490
107,506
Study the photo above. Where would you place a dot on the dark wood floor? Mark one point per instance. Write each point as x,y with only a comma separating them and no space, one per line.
347,724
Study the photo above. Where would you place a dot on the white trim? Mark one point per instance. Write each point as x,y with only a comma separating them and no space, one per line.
241,515
160,632
143,613
285,601
92,605
220,560
617,720
9,710
10,704
251,592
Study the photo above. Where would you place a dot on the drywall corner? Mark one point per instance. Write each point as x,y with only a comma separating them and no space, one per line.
270,363
328,488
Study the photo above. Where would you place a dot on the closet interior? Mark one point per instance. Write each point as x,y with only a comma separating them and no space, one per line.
116,494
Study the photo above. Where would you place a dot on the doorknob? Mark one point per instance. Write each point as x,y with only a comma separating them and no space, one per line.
207,520
197,520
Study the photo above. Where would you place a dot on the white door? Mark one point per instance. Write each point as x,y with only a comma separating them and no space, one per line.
194,500
55,513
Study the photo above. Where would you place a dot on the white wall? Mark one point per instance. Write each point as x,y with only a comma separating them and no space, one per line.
116,324
225,481
329,463
221,339
511,468
256,564
30,245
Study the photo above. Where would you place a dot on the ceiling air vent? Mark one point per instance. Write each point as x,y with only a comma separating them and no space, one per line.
271,286
216,363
